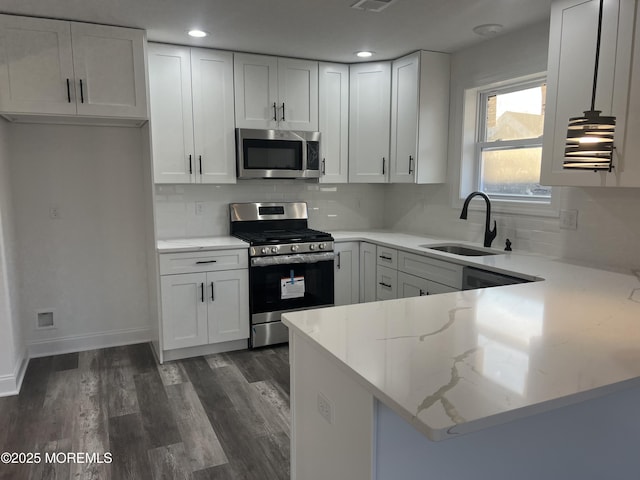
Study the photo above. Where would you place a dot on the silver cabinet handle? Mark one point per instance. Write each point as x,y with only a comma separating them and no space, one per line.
410,164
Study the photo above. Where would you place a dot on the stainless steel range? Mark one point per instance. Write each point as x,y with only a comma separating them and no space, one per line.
291,265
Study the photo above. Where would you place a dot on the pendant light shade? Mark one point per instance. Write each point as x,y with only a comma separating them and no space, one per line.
589,144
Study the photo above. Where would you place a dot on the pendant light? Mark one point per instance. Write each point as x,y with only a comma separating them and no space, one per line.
590,138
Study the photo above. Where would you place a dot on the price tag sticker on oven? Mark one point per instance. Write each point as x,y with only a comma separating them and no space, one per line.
291,287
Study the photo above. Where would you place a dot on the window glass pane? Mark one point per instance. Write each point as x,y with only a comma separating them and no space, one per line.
513,172
515,115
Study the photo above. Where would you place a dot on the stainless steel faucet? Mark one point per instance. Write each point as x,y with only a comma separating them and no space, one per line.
489,234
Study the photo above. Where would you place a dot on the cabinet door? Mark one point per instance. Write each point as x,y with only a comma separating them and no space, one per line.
36,66
367,272
184,310
171,113
213,117
256,91
333,114
369,122
412,286
347,273
572,44
297,94
228,300
404,118
386,283
110,70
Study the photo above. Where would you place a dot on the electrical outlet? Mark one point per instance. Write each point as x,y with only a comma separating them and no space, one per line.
325,408
199,208
54,213
569,219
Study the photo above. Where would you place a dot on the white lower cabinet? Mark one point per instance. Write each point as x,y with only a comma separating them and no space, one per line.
386,283
367,272
412,286
204,307
347,273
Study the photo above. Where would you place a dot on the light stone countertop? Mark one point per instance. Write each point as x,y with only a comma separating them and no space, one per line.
198,244
460,362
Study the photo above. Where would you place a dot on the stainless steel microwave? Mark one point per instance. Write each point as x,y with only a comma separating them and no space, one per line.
277,153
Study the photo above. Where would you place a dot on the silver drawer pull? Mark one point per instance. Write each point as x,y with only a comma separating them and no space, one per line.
206,261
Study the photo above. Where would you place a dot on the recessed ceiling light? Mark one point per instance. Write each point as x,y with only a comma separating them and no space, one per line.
364,54
488,30
197,33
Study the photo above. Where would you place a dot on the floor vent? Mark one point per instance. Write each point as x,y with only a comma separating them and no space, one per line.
372,5
45,319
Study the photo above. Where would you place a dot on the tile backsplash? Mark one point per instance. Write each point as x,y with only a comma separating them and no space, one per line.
331,207
608,230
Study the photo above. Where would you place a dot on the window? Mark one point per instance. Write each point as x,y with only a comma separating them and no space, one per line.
508,150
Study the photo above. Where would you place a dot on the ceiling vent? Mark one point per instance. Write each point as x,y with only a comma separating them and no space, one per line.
372,5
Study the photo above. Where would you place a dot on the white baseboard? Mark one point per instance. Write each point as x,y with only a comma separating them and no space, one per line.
10,384
79,343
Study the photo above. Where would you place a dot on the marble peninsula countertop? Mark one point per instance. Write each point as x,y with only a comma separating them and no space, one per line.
461,362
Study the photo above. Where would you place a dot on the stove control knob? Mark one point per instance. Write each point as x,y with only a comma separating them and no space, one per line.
312,247
295,248
264,250
321,246
274,249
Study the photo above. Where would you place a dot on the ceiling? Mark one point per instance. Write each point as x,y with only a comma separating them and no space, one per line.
317,29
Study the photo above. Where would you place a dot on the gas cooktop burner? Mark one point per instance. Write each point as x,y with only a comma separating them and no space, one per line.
269,237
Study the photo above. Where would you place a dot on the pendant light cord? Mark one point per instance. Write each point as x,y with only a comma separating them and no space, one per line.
595,72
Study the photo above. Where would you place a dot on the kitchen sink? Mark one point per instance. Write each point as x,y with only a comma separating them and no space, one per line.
460,250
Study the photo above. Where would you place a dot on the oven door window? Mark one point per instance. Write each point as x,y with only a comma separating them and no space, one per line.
272,154
269,292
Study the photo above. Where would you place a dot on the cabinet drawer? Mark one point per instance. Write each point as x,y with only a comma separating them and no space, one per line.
192,262
387,257
435,270
386,283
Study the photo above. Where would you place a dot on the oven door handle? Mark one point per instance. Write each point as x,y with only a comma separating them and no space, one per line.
290,259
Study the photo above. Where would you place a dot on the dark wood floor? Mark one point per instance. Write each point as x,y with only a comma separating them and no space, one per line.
223,416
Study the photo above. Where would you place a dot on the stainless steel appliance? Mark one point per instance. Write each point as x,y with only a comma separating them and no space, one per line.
277,153
291,265
473,278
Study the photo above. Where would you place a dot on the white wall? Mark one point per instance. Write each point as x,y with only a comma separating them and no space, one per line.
331,207
88,266
608,222
12,349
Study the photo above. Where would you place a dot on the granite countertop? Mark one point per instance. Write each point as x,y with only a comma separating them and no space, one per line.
460,362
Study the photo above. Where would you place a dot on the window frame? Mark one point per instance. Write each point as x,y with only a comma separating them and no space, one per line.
470,164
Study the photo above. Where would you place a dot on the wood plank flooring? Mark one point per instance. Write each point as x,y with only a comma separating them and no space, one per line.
223,416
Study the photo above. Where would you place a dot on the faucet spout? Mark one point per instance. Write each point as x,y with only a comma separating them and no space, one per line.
489,234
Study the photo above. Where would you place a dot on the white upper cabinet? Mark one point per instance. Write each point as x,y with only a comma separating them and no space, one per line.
52,67
110,70
171,113
419,118
192,120
276,93
369,122
36,66
333,114
572,46
213,116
